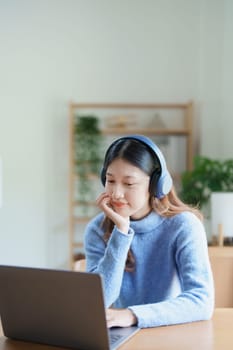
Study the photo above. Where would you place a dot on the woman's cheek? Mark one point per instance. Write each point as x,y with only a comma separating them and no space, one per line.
107,189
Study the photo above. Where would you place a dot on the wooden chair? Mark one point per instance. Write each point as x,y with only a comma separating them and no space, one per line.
80,265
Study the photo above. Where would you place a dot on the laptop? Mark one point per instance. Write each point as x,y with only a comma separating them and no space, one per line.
57,307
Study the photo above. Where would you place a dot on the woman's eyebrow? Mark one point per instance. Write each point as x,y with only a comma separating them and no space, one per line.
109,174
125,177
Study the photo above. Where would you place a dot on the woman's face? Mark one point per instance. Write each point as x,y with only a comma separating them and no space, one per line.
128,189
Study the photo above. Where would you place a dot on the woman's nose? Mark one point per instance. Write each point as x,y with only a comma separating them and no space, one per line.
117,192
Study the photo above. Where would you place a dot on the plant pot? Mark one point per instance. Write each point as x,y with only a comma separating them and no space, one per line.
221,216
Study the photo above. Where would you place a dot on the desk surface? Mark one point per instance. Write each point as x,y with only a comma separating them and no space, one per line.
216,334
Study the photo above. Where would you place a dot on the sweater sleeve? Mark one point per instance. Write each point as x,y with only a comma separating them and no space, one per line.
107,259
196,300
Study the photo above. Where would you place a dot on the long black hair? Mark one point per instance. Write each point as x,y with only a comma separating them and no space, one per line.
137,154
141,156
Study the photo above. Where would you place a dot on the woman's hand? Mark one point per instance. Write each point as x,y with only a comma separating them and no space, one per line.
120,318
104,203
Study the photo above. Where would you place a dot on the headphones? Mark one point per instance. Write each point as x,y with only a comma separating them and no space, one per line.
160,183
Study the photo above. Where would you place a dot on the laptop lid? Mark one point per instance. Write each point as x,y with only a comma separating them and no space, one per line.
56,307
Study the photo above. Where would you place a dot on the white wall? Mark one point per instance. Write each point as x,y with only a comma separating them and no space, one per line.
216,78
84,50
227,82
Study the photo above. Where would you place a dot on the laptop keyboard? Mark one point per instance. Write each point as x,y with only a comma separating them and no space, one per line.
115,337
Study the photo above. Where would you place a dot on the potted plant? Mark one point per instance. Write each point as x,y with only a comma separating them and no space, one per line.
208,175
87,154
208,178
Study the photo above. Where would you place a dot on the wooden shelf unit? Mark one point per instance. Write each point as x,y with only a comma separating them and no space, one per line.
185,131
221,259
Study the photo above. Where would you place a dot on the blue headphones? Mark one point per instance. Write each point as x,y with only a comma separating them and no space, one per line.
161,184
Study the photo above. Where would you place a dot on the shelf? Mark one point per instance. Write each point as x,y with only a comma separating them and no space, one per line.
221,259
124,105
136,118
81,220
77,203
146,131
77,245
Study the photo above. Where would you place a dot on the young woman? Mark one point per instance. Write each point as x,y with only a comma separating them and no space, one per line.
148,245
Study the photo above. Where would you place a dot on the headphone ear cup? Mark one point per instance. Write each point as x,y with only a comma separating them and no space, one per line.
161,181
160,184
164,185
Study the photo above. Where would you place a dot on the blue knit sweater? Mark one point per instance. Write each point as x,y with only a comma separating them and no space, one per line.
172,282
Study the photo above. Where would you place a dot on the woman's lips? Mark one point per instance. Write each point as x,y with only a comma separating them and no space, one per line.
118,204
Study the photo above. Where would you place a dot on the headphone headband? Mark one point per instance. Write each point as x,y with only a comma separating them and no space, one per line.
163,184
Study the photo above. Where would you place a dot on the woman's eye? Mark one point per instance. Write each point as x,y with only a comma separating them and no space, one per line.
110,181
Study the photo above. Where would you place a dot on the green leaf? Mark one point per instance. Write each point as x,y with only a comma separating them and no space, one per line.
208,175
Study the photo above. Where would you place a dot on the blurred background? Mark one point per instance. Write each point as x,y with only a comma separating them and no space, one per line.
56,51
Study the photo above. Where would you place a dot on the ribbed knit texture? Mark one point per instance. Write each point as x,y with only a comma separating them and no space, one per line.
172,282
